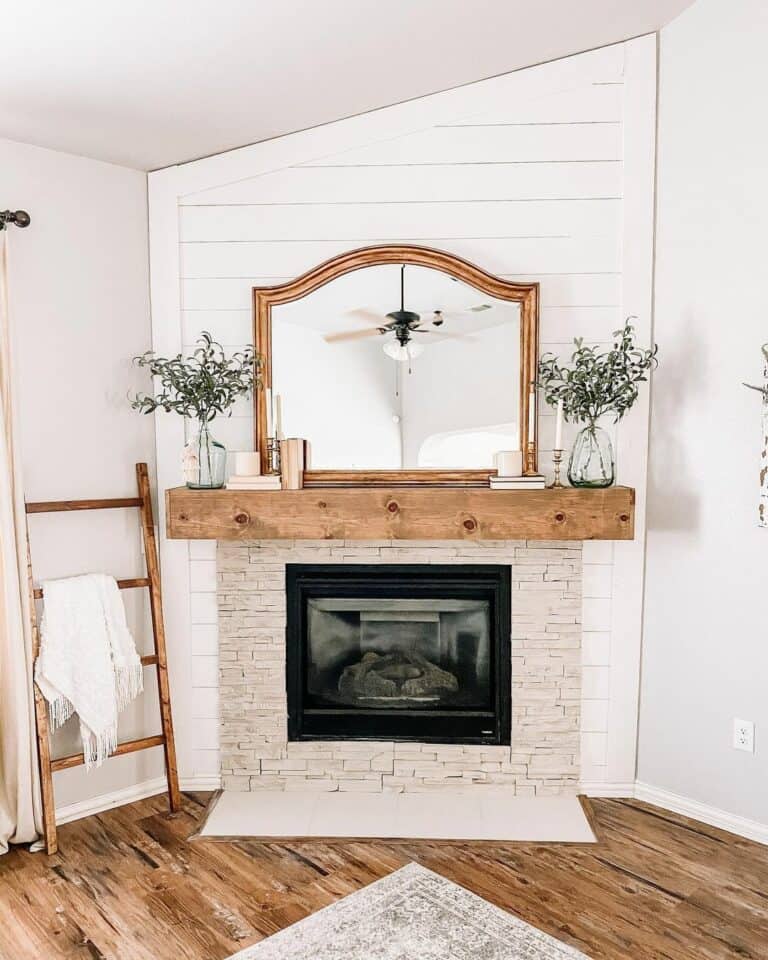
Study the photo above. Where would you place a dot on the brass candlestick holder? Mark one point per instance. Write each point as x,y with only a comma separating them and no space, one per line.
557,457
273,455
529,467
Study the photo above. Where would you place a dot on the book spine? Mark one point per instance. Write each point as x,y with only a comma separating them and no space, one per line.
292,463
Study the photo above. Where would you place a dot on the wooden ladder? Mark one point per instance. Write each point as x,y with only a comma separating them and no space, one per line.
157,659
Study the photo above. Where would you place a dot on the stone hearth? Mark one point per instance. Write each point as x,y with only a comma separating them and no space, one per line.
543,758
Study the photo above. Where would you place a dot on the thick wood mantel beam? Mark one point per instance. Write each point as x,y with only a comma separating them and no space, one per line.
416,513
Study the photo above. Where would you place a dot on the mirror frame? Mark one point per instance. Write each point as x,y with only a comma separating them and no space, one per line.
526,294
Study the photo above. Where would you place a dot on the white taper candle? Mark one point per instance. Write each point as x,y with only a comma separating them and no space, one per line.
279,417
559,426
268,404
532,414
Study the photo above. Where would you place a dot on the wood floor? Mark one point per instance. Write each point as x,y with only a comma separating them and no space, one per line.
128,885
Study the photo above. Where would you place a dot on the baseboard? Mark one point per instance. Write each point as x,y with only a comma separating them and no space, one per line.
714,816
200,783
105,801
139,791
599,788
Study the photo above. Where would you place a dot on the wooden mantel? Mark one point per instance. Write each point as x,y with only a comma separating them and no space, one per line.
415,513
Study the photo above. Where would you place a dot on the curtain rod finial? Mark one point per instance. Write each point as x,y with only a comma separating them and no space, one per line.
20,217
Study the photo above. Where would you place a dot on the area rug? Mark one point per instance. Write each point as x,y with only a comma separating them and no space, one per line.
472,815
413,914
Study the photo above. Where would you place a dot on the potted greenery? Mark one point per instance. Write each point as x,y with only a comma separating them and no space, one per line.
200,387
595,384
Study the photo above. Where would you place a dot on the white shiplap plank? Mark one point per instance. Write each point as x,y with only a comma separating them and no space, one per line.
204,639
204,672
356,223
531,256
590,103
596,647
205,732
205,763
459,103
205,705
202,549
449,183
213,296
487,145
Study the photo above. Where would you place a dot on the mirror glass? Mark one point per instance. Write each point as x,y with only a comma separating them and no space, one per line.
379,382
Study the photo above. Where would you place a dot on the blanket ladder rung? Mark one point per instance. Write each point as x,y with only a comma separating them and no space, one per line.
67,506
49,766
122,584
130,746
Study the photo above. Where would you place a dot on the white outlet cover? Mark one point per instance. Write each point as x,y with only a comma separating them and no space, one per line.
744,735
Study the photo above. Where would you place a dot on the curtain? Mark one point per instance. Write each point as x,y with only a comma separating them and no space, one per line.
763,505
20,819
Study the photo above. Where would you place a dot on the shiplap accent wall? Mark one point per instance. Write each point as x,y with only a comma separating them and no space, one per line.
527,175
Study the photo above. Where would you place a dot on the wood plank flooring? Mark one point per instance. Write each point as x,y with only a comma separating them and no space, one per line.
129,885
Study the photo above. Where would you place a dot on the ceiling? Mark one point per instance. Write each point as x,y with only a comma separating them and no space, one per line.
149,83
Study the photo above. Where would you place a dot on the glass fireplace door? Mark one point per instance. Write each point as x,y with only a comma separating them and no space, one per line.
381,652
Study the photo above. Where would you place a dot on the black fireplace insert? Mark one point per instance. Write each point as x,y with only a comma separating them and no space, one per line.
407,652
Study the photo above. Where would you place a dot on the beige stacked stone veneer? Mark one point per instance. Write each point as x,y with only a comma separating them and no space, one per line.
546,654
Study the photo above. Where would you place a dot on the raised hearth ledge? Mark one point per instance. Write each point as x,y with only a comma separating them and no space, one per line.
417,513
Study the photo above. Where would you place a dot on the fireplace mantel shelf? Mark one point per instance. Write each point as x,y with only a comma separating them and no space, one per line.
403,513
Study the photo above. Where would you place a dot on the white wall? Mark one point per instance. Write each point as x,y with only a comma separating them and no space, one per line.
545,174
705,655
79,310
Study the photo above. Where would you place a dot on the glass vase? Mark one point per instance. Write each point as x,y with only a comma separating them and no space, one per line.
591,463
204,461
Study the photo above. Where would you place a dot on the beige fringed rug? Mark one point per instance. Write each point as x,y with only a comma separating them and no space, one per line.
413,914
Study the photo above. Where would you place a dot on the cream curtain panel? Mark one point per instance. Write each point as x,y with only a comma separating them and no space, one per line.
19,778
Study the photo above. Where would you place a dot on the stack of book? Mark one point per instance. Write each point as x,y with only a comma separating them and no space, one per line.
518,483
269,481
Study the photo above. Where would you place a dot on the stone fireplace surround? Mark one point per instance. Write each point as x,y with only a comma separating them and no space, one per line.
543,758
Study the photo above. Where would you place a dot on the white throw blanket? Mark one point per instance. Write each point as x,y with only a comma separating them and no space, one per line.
88,662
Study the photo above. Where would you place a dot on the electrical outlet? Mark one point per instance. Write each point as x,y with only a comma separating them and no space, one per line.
744,735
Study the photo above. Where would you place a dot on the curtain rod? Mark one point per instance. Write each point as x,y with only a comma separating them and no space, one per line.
20,217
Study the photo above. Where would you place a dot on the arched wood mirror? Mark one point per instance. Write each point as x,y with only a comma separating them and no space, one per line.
399,364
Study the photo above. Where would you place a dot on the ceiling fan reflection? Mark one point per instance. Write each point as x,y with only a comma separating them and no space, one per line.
403,324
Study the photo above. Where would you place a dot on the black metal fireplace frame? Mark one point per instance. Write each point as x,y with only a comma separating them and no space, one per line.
489,582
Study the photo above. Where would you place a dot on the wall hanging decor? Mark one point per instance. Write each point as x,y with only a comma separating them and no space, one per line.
762,506
594,385
200,388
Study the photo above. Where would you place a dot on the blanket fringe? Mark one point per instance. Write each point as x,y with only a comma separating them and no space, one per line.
96,749
129,683
59,711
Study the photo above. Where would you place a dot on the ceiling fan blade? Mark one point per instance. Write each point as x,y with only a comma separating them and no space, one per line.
347,335
467,337
365,315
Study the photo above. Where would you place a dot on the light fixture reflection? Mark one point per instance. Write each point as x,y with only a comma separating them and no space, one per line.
396,351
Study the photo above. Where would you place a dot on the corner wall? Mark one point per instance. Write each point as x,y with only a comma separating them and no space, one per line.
79,309
705,658
543,174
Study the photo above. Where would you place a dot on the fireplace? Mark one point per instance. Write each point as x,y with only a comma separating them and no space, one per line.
403,653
